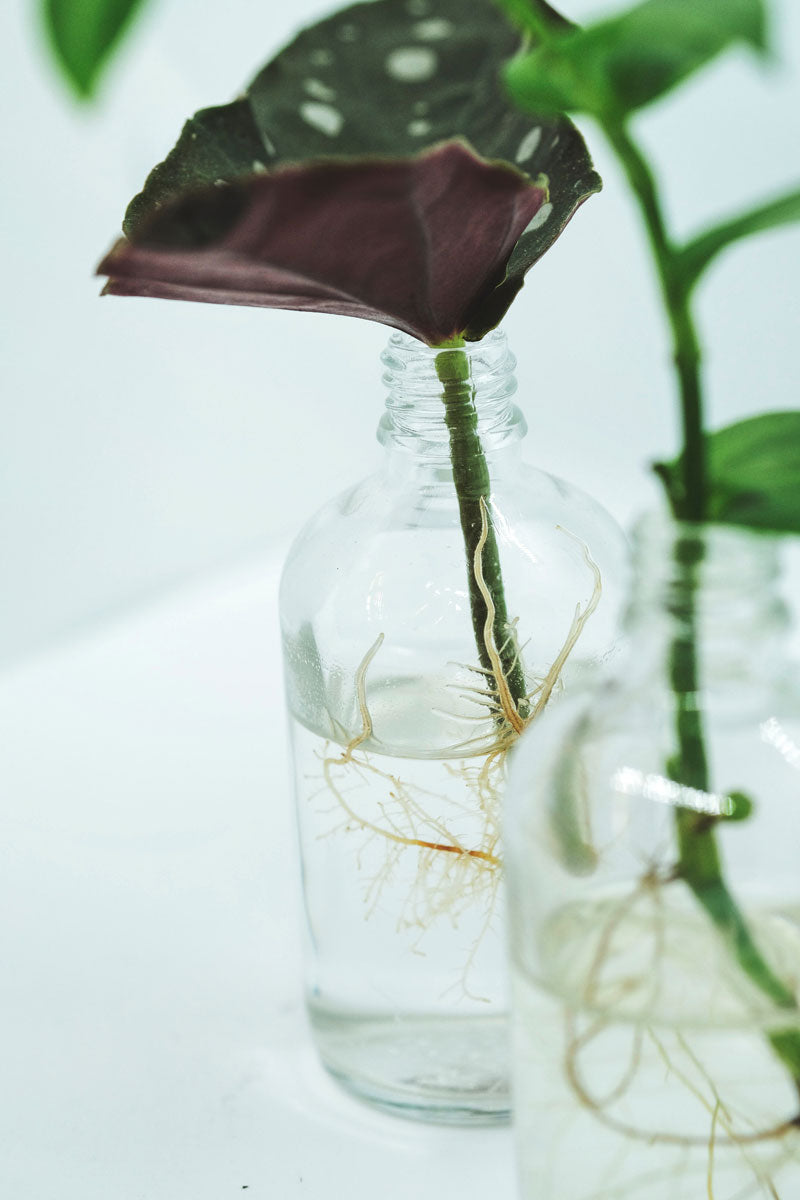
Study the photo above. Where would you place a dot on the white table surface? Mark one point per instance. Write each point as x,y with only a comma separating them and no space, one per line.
154,1045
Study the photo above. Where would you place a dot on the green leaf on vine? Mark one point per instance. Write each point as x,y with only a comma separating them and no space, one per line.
84,33
753,473
537,20
699,253
378,83
621,64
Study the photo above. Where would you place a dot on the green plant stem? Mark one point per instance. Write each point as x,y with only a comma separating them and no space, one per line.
699,864
676,294
472,483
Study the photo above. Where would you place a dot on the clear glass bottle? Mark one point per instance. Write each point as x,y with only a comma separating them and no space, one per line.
653,849
399,733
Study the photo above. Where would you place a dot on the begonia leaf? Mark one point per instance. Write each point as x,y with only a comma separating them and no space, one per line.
416,243
753,473
380,84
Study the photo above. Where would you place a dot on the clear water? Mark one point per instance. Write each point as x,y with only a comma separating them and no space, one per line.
649,1076
401,872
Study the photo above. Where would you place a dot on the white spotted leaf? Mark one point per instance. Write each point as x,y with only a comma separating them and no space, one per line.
419,243
385,80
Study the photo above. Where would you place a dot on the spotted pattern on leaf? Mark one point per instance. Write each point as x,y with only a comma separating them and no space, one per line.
381,79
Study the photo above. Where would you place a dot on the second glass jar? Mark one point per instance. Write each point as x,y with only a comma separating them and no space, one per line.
428,614
654,895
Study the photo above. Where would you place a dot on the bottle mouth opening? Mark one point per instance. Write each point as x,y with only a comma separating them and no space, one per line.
411,367
658,534
717,569
404,343
417,395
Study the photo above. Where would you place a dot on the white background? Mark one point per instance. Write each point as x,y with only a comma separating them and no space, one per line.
155,459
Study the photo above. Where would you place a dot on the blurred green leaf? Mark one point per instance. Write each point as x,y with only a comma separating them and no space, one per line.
623,63
753,473
697,255
84,33
534,16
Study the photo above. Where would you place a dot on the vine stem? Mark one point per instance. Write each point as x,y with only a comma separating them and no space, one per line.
473,486
699,863
676,293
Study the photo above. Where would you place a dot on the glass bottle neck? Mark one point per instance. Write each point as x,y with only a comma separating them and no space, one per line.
712,587
434,393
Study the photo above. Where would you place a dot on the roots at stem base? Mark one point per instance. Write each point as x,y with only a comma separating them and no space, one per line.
649,1066
456,871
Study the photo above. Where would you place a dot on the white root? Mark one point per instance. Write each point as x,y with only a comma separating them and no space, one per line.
452,875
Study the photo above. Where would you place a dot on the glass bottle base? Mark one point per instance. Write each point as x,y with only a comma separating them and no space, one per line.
445,1069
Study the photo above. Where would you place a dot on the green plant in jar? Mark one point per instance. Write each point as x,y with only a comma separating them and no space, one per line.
743,477
376,169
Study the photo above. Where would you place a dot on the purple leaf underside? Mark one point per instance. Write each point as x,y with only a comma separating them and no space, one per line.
414,243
